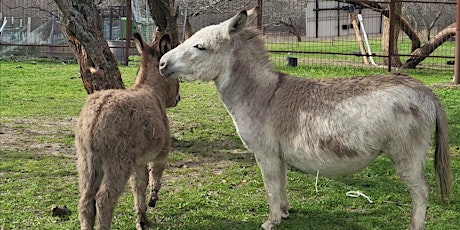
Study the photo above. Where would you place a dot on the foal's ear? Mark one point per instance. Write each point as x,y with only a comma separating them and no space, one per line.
165,44
139,42
238,22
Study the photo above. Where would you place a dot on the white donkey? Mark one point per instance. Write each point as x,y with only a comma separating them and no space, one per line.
330,126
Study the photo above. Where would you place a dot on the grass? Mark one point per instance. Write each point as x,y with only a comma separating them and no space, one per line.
211,181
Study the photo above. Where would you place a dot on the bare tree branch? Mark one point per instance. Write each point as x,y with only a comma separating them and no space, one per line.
293,29
423,52
29,7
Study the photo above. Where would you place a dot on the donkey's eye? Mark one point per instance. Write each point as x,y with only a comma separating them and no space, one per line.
200,47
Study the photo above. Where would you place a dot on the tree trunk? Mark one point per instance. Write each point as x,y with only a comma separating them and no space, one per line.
395,60
401,21
80,22
164,15
358,37
421,53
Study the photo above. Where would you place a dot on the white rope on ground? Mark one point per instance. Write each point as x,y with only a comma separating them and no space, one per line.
358,194
316,182
349,193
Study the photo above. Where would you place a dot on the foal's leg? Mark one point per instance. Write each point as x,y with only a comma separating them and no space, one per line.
89,183
116,175
139,180
87,208
273,170
86,204
156,168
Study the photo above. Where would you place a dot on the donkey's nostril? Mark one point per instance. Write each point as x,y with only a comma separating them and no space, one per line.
162,65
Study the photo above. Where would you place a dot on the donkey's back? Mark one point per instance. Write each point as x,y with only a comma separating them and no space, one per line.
338,126
120,121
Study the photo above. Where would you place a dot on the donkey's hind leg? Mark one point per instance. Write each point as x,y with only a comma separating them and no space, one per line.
411,172
87,208
156,168
116,175
139,182
89,183
419,190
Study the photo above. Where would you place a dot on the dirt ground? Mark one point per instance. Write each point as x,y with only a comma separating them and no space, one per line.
43,136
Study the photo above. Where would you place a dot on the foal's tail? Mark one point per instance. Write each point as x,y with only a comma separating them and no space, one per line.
90,177
441,155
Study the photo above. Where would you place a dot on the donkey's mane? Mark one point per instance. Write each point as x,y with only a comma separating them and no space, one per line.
252,40
144,66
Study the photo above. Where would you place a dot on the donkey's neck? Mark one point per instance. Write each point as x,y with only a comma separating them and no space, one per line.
250,65
149,80
247,85
251,75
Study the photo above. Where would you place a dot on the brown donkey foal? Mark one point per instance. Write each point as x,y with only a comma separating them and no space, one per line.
118,133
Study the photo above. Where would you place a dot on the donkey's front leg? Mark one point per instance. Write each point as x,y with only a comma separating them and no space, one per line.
139,181
273,170
156,168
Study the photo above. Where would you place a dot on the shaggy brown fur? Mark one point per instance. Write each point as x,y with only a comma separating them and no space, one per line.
118,133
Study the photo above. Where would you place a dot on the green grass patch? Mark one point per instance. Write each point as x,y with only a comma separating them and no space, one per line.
212,181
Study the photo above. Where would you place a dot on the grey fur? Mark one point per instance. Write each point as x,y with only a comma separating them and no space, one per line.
331,126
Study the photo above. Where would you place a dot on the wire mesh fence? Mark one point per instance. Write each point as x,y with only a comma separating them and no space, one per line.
313,32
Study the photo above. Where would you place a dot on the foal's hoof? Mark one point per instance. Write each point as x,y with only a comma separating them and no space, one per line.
140,225
152,202
153,197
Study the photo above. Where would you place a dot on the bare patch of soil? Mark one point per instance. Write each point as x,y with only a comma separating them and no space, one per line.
42,136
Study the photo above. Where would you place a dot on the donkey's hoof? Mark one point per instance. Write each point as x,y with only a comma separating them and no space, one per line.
268,225
152,203
140,225
153,197
284,214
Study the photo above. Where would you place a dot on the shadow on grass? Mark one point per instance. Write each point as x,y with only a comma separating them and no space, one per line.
213,151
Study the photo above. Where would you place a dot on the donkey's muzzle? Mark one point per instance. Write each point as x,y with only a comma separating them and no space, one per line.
164,69
177,99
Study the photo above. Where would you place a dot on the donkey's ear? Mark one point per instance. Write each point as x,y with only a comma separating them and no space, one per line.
238,22
252,14
165,44
139,42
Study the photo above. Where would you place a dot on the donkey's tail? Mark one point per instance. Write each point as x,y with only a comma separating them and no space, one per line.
90,176
441,155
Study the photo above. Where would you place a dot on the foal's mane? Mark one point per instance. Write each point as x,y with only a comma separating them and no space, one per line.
143,73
